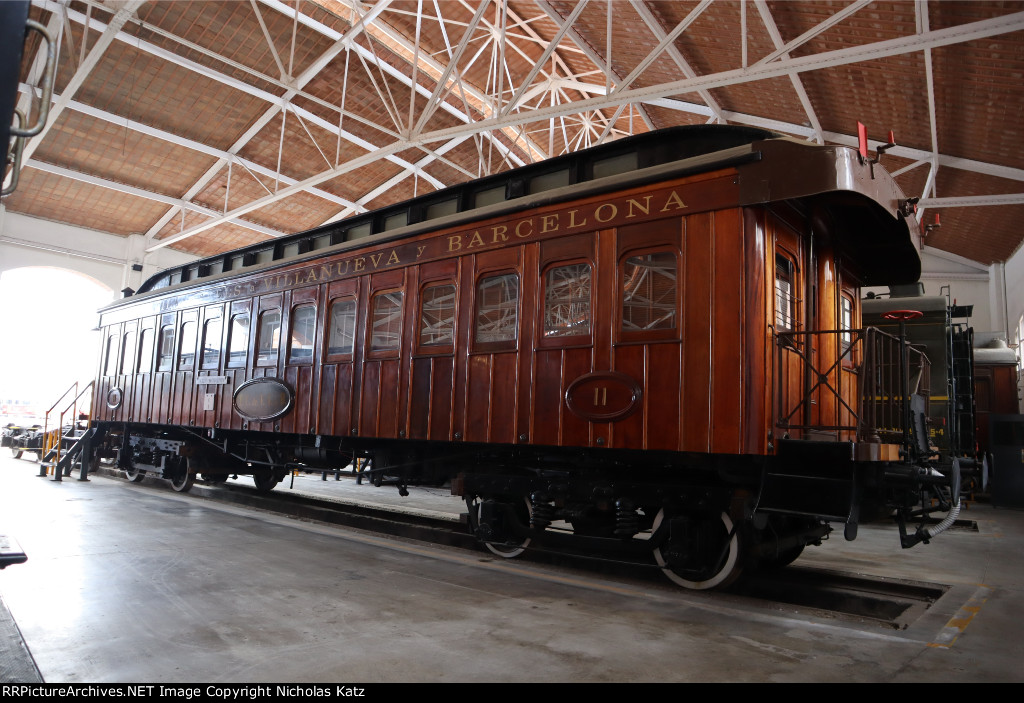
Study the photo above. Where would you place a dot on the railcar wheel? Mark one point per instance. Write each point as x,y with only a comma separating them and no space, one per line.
787,557
265,482
182,483
134,475
505,550
720,549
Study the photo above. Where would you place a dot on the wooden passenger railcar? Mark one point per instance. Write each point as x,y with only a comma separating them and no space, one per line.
660,335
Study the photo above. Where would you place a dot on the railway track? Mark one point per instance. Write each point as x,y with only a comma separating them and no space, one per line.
887,603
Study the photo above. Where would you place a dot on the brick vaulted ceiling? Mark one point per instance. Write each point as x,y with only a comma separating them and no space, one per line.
210,125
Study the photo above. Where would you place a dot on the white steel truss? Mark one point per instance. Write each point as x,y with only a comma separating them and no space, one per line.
525,112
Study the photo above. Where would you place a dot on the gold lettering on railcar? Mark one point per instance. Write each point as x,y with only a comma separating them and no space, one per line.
529,226
573,224
612,212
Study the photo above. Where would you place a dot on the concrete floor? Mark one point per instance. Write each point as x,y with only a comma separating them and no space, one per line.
138,584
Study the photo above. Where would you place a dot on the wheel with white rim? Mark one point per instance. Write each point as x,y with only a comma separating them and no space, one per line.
505,550
721,552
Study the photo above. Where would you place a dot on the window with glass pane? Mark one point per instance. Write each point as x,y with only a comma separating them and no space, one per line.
497,308
386,332
269,336
649,292
343,327
846,320
437,315
145,351
567,301
211,343
238,340
110,365
784,304
128,353
303,326
166,348
187,355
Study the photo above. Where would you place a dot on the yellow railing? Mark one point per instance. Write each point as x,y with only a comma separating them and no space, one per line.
55,438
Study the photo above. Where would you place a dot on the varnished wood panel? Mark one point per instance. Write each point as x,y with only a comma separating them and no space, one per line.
630,360
441,398
547,397
728,365
697,277
503,405
663,403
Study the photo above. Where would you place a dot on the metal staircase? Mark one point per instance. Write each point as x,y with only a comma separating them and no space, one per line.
66,442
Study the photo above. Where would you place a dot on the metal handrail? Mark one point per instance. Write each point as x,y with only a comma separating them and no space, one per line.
48,440
874,370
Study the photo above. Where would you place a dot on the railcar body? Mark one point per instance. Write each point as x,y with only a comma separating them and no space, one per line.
650,347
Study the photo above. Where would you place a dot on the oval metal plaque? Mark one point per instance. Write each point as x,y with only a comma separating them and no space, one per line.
263,399
605,396
114,398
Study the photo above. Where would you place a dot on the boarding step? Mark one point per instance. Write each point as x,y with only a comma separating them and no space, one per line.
810,478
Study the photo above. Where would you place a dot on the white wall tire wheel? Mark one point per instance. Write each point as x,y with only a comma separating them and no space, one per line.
505,551
730,570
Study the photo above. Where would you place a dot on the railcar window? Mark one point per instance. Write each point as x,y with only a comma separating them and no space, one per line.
567,301
269,332
166,348
784,301
238,340
211,343
490,196
343,327
386,332
497,308
445,207
303,326
400,219
437,315
845,320
187,354
128,353
359,231
110,365
549,181
615,165
649,292
145,363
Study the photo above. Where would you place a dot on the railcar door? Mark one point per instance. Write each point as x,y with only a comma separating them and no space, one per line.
300,370
493,290
139,394
163,376
119,399
432,383
267,348
792,345
343,338
382,389
184,387
209,380
109,391
566,357
236,360
649,266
